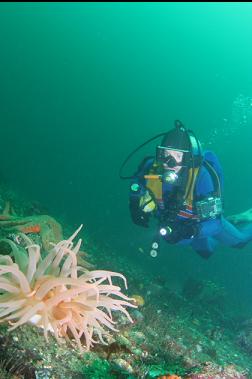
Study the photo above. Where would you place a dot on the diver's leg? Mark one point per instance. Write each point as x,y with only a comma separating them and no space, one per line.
231,235
204,246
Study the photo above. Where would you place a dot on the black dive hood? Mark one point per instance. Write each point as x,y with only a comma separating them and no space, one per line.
184,140
180,139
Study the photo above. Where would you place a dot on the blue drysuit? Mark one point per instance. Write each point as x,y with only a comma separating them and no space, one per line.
210,232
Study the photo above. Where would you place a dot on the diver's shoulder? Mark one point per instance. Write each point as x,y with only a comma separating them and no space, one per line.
211,157
209,154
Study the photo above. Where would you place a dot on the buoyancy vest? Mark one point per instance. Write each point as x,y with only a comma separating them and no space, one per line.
202,183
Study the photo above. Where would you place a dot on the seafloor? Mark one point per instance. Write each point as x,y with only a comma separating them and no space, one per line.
193,333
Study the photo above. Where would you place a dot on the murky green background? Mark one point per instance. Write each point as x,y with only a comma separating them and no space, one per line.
82,84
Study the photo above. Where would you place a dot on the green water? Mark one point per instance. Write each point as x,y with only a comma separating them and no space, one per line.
82,84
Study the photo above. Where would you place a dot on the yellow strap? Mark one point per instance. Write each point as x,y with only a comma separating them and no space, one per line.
154,184
155,187
189,196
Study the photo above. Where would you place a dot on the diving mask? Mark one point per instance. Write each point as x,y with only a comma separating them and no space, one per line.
168,157
171,162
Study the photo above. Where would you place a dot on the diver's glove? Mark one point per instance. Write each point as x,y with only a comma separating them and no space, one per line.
137,215
177,231
141,204
146,203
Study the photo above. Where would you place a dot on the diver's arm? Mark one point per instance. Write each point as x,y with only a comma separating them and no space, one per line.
140,201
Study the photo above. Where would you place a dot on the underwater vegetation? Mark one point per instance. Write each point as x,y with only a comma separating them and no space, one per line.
45,226
17,362
48,289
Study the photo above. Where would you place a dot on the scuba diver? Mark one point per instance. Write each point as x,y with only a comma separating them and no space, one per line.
182,188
